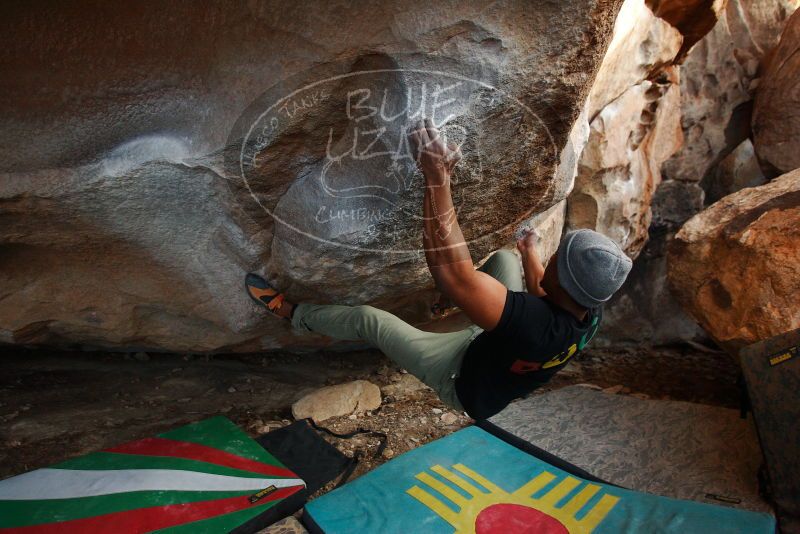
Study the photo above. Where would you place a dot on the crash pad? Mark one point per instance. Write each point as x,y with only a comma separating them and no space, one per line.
771,370
667,447
472,481
204,477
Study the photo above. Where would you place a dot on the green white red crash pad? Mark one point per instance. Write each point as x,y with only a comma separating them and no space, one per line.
204,477
471,481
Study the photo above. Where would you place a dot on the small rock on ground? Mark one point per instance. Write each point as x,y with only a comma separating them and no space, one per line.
288,525
449,418
342,399
405,385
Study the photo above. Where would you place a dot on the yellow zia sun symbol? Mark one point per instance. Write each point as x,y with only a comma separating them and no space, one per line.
501,512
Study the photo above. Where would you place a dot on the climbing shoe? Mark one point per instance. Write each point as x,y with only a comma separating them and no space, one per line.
263,293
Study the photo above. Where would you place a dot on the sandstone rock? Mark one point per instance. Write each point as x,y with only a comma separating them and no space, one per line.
716,84
620,167
338,400
449,418
693,18
776,115
735,267
738,170
129,221
716,87
288,525
549,225
406,385
634,116
642,45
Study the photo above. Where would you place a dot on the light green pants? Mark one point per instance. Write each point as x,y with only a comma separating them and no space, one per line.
434,358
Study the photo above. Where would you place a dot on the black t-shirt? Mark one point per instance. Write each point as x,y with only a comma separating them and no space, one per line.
533,341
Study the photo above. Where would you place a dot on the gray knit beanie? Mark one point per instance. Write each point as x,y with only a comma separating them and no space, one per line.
591,267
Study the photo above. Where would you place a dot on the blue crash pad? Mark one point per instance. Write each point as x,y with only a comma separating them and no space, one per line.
471,481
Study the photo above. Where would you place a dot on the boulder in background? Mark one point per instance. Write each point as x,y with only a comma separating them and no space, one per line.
776,115
735,267
718,82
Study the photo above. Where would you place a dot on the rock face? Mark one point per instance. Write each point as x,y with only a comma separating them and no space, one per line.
735,267
693,18
342,399
143,176
644,310
172,149
776,116
634,114
738,170
620,168
675,203
718,83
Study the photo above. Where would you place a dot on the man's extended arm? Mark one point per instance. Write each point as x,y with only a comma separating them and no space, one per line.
531,264
480,296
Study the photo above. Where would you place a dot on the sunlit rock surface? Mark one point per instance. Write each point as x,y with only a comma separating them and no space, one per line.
717,82
634,117
735,267
620,168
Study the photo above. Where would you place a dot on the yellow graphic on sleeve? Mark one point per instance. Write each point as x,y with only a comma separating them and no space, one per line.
498,511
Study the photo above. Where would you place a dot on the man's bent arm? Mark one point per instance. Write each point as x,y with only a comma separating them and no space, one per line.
479,295
531,264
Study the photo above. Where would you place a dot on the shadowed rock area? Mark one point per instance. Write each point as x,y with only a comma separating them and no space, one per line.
153,155
168,150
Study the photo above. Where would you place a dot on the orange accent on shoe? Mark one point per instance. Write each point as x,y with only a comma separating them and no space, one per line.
258,292
276,303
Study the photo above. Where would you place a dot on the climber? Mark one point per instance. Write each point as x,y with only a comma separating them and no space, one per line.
519,339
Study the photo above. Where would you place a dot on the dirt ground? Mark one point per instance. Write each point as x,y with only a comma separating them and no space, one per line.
57,405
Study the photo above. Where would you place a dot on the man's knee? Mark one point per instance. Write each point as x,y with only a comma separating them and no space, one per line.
368,314
365,310
367,318
502,257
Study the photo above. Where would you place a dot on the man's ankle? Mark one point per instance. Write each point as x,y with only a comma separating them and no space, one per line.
286,310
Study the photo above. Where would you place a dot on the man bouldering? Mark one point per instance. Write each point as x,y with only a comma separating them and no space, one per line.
519,339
